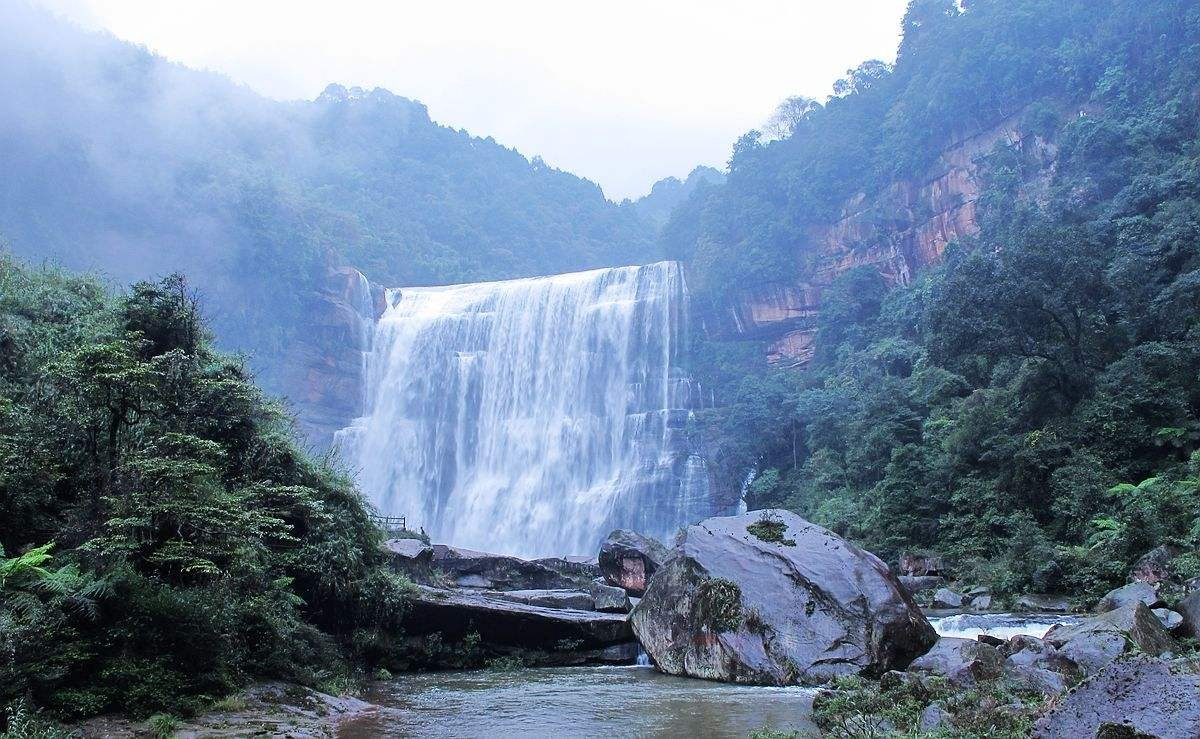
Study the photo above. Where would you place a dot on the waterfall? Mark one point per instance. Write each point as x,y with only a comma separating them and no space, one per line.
532,416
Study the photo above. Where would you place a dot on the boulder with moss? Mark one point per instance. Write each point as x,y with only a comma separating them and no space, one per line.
769,598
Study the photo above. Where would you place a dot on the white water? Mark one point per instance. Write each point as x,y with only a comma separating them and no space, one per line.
1000,625
532,416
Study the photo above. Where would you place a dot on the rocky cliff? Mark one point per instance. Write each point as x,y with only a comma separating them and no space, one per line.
323,369
900,231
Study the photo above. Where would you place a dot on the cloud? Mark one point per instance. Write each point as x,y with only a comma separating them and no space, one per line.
623,92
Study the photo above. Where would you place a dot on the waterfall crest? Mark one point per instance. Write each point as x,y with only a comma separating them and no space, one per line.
532,416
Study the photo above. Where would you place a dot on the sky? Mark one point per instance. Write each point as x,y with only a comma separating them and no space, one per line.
622,92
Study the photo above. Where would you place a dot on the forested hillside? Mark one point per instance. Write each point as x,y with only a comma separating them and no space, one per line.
164,541
1030,405
118,160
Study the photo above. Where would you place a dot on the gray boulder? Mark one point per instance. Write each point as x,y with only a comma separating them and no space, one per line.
961,661
409,551
503,623
1036,664
1189,609
1154,567
980,603
918,583
1093,643
947,598
1137,693
801,606
1171,620
628,560
608,598
550,598
1134,592
1044,603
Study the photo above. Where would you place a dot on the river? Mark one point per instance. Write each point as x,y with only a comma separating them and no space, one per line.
612,702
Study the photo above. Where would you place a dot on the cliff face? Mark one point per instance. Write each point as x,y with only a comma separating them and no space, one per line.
899,232
323,371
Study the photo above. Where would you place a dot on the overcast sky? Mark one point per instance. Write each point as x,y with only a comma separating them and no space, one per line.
623,92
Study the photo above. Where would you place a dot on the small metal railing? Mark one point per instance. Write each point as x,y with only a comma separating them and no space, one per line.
391,523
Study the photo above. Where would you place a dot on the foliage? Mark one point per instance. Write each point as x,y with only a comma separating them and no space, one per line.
856,708
770,529
1029,407
172,542
718,604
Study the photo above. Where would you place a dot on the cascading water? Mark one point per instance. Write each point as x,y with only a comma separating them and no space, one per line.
532,416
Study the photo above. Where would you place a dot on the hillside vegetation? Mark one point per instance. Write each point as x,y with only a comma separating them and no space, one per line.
1032,405
164,542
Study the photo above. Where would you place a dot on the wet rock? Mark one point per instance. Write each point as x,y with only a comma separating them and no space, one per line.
919,583
962,661
994,641
409,551
1154,566
1138,693
551,598
1046,603
504,623
1094,642
1171,620
947,598
1134,592
728,605
628,560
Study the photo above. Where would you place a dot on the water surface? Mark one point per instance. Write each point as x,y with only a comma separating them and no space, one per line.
576,702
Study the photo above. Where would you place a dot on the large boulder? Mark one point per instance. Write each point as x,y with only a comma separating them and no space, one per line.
1093,643
505,623
769,598
961,661
1134,592
1189,608
1131,694
409,552
947,598
1036,664
1155,566
628,560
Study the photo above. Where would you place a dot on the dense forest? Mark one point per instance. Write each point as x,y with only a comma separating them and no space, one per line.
1031,406
119,161
164,540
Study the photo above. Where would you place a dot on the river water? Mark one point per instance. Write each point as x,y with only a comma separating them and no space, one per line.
576,702
612,702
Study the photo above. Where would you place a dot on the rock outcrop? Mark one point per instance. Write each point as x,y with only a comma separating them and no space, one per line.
1093,643
507,624
961,661
323,369
1132,696
899,232
628,560
769,598
1134,592
1154,567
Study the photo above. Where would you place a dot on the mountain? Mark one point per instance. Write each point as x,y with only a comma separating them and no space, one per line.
958,307
656,206
120,161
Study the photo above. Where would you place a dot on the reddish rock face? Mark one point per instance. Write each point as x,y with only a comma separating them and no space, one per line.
324,367
899,232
